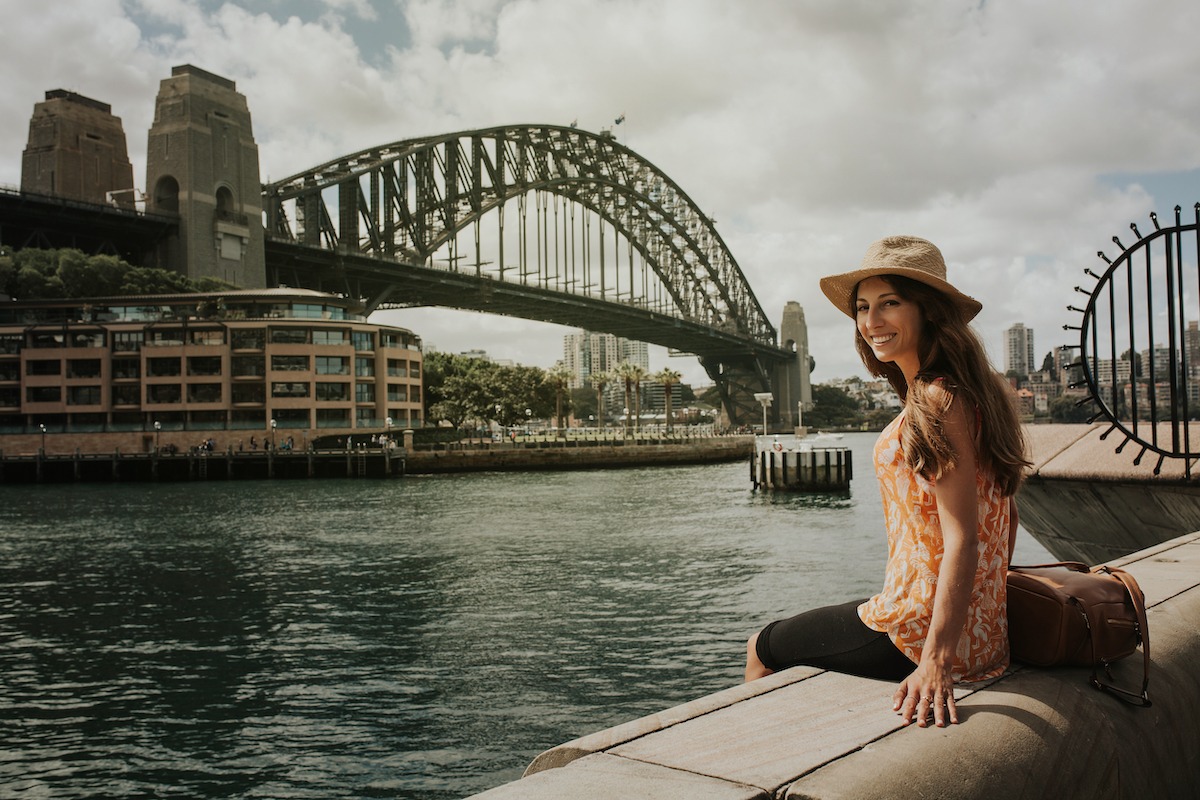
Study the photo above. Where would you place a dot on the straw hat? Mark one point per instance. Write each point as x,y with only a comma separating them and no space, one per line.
909,256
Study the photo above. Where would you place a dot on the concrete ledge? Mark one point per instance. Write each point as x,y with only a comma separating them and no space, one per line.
820,735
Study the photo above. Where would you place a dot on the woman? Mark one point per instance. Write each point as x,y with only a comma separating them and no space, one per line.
948,467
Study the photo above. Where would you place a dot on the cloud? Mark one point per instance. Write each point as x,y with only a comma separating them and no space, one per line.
1014,134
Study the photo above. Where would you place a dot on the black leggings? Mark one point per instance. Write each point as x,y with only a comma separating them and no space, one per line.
832,638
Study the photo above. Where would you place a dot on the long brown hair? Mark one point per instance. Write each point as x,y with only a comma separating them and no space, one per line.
949,350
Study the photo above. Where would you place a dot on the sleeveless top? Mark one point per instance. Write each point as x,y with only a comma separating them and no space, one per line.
904,608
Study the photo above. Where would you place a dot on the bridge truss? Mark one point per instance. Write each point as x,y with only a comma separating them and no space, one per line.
541,222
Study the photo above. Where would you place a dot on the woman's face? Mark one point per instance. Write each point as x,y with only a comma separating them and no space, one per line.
890,324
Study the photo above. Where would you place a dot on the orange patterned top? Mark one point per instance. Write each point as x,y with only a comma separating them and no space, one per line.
904,608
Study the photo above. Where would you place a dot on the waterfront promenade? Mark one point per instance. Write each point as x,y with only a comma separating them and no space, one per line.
375,460
818,735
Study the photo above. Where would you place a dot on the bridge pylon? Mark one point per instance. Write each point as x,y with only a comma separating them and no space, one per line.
202,164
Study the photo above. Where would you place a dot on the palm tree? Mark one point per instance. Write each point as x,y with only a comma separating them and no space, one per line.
560,378
668,378
599,381
633,376
625,371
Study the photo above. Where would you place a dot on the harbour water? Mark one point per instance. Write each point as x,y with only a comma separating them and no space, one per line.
414,638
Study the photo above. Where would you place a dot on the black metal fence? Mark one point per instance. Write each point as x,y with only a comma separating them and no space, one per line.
1140,339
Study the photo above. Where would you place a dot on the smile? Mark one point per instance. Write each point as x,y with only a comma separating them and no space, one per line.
877,340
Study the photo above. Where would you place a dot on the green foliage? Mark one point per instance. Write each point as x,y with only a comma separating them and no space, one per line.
33,274
459,389
146,280
1063,409
833,408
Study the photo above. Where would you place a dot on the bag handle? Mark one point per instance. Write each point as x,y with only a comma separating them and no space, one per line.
1074,566
1139,607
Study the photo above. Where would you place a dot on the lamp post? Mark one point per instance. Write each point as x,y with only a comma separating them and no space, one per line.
43,427
765,398
387,424
528,420
274,425
157,430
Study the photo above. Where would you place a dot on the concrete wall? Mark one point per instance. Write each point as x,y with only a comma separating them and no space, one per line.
1083,501
806,733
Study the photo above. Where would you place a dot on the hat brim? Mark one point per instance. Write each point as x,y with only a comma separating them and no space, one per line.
840,288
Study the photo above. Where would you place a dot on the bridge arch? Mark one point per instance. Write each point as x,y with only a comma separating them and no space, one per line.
595,225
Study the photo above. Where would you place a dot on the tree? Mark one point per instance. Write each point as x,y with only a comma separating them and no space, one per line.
668,378
560,377
599,380
833,408
632,375
1064,409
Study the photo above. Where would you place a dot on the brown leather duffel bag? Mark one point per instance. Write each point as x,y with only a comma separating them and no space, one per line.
1066,614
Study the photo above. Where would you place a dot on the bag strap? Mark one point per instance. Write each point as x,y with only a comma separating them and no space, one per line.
1139,607
1074,566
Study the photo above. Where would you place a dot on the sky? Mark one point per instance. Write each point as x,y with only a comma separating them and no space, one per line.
1018,135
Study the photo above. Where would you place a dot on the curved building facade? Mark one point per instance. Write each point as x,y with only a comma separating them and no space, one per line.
139,372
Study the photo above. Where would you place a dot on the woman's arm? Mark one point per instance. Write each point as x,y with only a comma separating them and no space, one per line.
1013,522
931,686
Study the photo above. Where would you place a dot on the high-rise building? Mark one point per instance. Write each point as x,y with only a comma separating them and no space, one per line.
1018,350
588,352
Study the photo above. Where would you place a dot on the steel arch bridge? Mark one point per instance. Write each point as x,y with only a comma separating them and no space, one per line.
542,222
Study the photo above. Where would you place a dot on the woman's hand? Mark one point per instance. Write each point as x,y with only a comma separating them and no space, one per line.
928,691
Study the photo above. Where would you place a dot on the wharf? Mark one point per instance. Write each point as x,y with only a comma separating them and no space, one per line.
818,735
371,462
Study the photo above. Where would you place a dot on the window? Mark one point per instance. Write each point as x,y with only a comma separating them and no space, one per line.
333,365
365,418
364,367
414,369
204,392
333,417
248,338
163,393
37,339
248,393
363,340
10,370
165,337
204,365
10,397
397,368
43,394
327,337
214,336
248,366
128,342
43,367
126,395
289,363
83,395
397,393
10,343
83,368
307,310
90,339
289,390
364,393
125,368
162,367
414,394
333,391
289,335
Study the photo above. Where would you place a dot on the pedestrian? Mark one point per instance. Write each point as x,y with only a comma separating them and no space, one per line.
948,468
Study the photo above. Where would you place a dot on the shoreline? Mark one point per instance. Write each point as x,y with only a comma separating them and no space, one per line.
373,462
